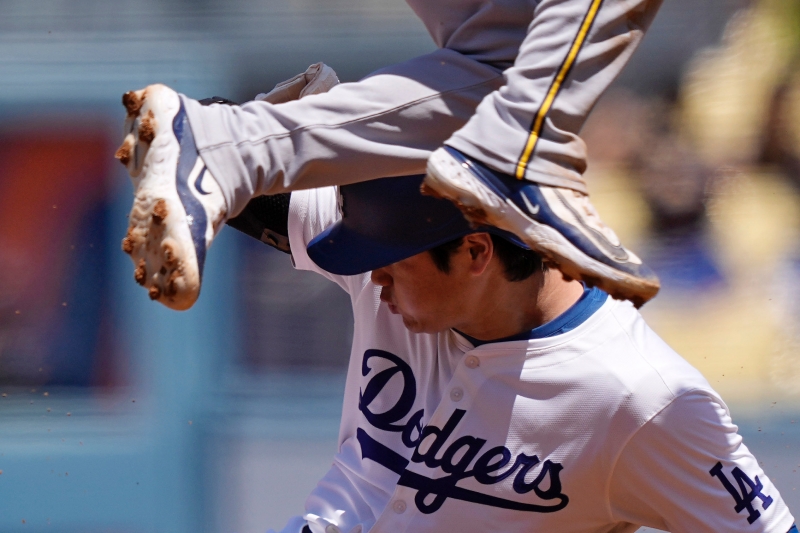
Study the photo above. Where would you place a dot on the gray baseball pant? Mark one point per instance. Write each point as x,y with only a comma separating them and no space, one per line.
511,86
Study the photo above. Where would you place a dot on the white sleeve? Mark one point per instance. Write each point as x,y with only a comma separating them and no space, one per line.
294,525
688,471
335,501
312,211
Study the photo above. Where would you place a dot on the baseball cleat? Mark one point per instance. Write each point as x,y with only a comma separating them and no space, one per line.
558,223
178,206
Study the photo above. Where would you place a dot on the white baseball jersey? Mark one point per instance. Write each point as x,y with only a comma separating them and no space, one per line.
602,428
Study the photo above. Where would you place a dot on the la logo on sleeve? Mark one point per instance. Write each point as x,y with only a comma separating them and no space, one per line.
748,491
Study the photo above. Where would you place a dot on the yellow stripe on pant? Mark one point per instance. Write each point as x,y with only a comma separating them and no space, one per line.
563,71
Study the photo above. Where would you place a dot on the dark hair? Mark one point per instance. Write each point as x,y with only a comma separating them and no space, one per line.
519,264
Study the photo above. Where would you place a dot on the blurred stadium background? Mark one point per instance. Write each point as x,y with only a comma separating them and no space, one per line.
117,415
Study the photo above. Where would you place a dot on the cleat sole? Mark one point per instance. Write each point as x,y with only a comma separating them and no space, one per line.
156,241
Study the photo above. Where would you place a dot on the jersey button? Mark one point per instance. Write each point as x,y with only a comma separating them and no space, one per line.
456,394
399,507
472,362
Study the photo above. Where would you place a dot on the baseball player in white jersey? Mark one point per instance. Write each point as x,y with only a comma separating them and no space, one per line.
486,393
494,115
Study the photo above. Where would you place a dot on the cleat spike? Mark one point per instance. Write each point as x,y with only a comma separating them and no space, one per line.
592,281
427,190
133,100
147,129
140,274
154,293
127,245
160,211
125,152
550,264
169,256
476,216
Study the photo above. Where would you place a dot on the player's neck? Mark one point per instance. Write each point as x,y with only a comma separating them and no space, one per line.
510,308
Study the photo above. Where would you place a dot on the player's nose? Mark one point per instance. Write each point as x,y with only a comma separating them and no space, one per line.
381,277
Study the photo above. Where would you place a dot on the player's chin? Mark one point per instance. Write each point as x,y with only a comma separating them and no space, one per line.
420,326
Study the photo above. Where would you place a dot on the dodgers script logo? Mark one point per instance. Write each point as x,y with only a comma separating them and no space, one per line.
433,492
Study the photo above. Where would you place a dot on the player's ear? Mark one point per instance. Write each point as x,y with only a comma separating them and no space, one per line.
480,248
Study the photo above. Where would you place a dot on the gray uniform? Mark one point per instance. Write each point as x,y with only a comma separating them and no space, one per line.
511,86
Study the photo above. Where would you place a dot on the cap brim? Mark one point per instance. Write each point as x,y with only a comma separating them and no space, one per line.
385,221
342,251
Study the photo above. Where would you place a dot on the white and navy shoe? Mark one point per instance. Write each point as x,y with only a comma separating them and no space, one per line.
560,224
178,206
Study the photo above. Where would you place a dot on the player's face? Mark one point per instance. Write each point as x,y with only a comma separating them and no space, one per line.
427,299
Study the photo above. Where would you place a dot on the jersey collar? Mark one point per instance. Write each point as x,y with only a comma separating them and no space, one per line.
590,301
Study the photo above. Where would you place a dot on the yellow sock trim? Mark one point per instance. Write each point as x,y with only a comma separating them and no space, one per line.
569,61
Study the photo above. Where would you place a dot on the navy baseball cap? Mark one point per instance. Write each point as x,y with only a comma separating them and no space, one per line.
387,220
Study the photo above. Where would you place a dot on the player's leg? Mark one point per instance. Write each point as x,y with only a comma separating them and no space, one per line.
384,125
193,166
518,162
